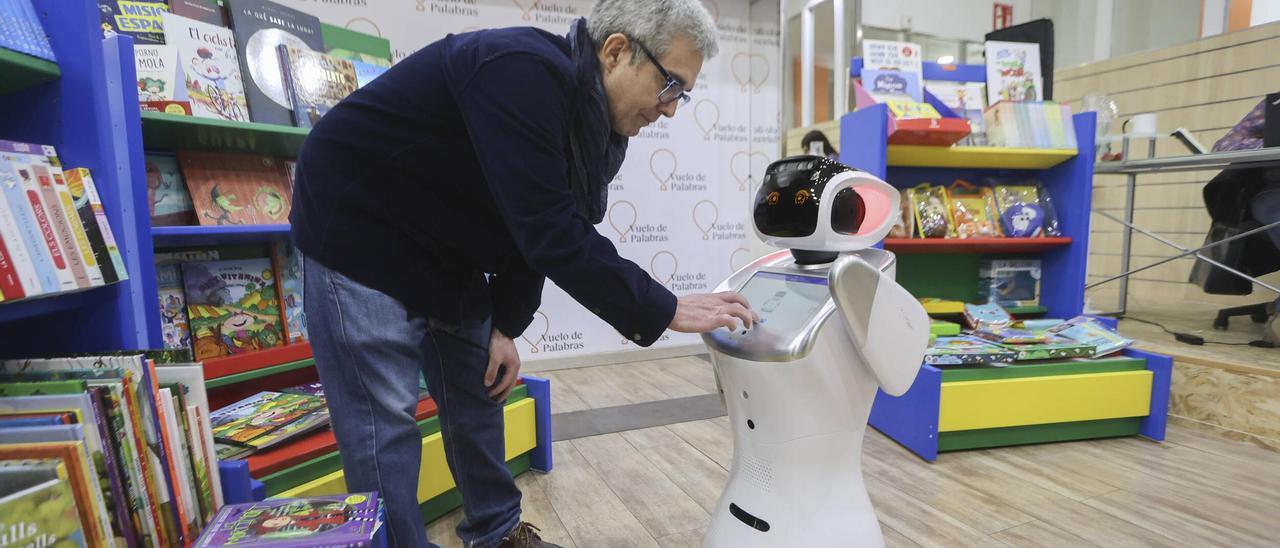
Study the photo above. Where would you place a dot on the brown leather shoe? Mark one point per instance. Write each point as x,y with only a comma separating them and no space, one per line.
525,535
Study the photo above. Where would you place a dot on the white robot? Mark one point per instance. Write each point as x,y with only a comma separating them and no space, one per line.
799,385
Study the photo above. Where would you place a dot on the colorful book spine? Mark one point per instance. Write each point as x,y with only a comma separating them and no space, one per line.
121,519
100,215
78,234
89,223
9,284
18,269
24,205
58,220
164,406
1069,127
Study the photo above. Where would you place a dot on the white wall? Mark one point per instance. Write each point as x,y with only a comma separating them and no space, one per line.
1264,11
956,19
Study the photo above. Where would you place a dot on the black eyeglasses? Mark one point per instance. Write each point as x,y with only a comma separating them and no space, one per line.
674,90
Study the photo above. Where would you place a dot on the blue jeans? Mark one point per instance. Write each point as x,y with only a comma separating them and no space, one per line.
368,350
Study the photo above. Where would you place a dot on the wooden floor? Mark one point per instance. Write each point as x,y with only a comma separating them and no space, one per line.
658,486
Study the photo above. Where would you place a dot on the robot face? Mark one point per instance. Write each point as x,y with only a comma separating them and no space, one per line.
815,204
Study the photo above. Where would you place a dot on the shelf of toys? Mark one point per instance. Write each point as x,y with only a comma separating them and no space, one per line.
952,407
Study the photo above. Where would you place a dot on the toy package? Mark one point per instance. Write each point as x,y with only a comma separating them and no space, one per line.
978,316
932,216
966,350
1086,330
905,226
973,210
1025,209
1010,282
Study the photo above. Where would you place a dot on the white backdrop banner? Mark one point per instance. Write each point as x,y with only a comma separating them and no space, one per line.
679,205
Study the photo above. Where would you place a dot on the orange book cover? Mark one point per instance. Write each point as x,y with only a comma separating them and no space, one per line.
73,457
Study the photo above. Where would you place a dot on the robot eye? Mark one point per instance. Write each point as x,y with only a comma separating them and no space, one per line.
847,212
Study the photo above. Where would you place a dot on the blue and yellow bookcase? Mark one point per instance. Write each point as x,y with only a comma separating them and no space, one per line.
86,105
956,407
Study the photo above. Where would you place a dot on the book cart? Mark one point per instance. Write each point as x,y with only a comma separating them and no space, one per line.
91,114
967,407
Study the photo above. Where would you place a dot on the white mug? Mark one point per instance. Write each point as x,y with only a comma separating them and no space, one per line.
1142,125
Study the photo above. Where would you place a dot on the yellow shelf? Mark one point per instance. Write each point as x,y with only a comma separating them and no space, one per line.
978,157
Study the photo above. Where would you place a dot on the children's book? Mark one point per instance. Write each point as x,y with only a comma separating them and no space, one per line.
261,27
288,265
1056,347
966,350
367,72
88,502
208,11
167,192
209,67
191,377
175,329
353,45
102,244
327,521
232,306
30,233
141,19
44,514
1013,72
237,189
1087,330
159,76
1010,335
977,316
264,413
315,81
1010,282
79,180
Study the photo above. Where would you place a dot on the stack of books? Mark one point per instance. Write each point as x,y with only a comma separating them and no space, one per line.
54,234
112,450
1035,124
995,338
21,31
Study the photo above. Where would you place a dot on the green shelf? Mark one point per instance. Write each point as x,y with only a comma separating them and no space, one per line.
22,71
176,131
259,373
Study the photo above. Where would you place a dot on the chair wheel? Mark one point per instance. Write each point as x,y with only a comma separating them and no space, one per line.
1220,323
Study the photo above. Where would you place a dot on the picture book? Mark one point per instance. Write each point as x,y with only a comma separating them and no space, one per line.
236,189
986,315
191,377
263,413
1087,330
159,77
16,475
175,330
112,269
315,81
79,234
44,514
967,100
1010,282
46,171
90,508
1055,347
179,465
101,486
207,11
1010,335
141,19
308,389
209,67
891,86
80,181
288,265
25,158
1013,72
324,521
367,72
353,45
118,497
966,350
896,70
261,27
167,192
232,306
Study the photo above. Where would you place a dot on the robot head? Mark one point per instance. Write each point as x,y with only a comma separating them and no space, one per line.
814,204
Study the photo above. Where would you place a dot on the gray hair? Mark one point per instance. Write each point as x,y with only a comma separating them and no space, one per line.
655,23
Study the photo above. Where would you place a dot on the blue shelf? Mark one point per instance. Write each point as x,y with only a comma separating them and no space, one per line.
181,236
49,304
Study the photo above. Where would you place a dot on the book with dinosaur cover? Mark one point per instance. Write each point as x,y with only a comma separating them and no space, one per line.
209,67
232,306
261,27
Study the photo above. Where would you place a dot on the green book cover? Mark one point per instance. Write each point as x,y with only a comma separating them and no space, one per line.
1057,347
43,388
41,515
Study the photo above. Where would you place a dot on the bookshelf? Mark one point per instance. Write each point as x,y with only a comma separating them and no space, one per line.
931,416
175,131
191,236
22,71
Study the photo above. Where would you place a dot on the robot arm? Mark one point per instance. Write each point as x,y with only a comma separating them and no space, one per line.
888,326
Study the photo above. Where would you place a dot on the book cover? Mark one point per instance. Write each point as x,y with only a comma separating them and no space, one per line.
1086,330
19,207
112,268
175,330
261,27
1056,347
309,389
232,189
85,182
191,376
966,350
316,82
1009,282
58,221
177,462
334,520
367,72
265,412
159,77
209,67
1013,72
206,11
80,475
1010,335
167,192
17,268
288,265
40,213
122,522
44,514
231,306
886,86
353,45
78,232
141,19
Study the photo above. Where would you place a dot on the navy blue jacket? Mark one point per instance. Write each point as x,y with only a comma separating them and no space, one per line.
454,164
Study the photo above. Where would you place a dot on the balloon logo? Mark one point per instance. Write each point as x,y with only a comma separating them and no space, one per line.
750,70
369,22
663,266
702,210
739,258
706,114
662,164
546,326
744,165
527,10
622,221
